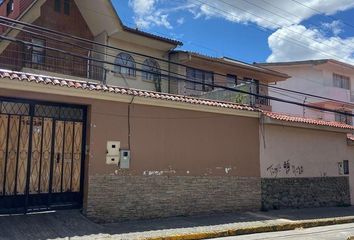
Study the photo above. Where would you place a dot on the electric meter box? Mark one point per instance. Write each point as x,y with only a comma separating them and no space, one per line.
112,156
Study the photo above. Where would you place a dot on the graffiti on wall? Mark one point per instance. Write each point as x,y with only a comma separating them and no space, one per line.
287,168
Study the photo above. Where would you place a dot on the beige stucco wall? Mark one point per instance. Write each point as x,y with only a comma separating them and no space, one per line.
310,153
137,81
165,141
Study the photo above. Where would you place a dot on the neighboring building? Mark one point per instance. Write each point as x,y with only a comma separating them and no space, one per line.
223,72
326,78
305,162
92,20
135,59
13,9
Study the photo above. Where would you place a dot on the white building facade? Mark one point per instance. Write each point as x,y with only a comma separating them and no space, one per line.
327,78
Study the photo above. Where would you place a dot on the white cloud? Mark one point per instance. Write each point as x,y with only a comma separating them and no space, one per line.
284,17
142,7
291,40
146,14
335,27
287,45
180,21
271,14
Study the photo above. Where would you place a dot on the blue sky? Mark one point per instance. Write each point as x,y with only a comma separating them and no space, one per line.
250,30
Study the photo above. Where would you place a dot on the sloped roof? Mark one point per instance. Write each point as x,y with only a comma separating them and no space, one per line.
150,35
234,62
306,62
298,119
125,28
92,86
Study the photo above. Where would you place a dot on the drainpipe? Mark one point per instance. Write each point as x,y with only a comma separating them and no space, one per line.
169,71
105,58
88,64
129,121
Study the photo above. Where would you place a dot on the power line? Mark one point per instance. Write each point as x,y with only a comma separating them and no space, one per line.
178,74
195,4
169,72
159,33
276,14
186,80
315,10
295,41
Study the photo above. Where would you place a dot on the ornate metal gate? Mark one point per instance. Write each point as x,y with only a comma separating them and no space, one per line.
41,155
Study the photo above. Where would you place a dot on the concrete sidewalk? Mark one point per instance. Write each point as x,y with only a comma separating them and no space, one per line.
72,225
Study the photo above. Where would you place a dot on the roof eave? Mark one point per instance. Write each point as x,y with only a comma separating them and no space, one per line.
150,35
271,121
250,67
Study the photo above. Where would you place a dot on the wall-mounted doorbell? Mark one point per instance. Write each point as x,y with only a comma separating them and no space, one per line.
124,159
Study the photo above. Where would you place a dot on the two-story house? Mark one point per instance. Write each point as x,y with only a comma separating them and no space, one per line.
90,20
326,78
240,78
77,132
123,56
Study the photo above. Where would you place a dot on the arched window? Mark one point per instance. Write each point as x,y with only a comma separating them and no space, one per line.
151,72
125,64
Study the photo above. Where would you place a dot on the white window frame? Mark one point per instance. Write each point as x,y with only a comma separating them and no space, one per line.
38,53
341,81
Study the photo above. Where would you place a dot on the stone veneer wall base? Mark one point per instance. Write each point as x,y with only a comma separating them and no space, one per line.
280,193
119,198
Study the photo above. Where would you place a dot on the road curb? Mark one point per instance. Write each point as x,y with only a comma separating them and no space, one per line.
258,229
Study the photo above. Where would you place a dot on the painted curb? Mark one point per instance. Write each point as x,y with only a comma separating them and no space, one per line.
259,229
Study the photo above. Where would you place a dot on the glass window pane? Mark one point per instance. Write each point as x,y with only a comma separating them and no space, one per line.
199,80
46,111
190,76
14,108
68,113
341,81
67,7
231,80
38,52
152,69
124,59
208,79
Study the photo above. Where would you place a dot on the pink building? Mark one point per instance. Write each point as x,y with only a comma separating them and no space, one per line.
327,78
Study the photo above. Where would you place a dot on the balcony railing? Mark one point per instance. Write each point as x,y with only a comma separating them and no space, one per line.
237,97
18,56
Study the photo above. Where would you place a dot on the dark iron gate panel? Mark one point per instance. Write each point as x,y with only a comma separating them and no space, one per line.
41,155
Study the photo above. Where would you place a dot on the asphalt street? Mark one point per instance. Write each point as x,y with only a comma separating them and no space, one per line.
334,232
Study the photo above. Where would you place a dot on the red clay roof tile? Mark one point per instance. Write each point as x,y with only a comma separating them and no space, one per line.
40,79
298,119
